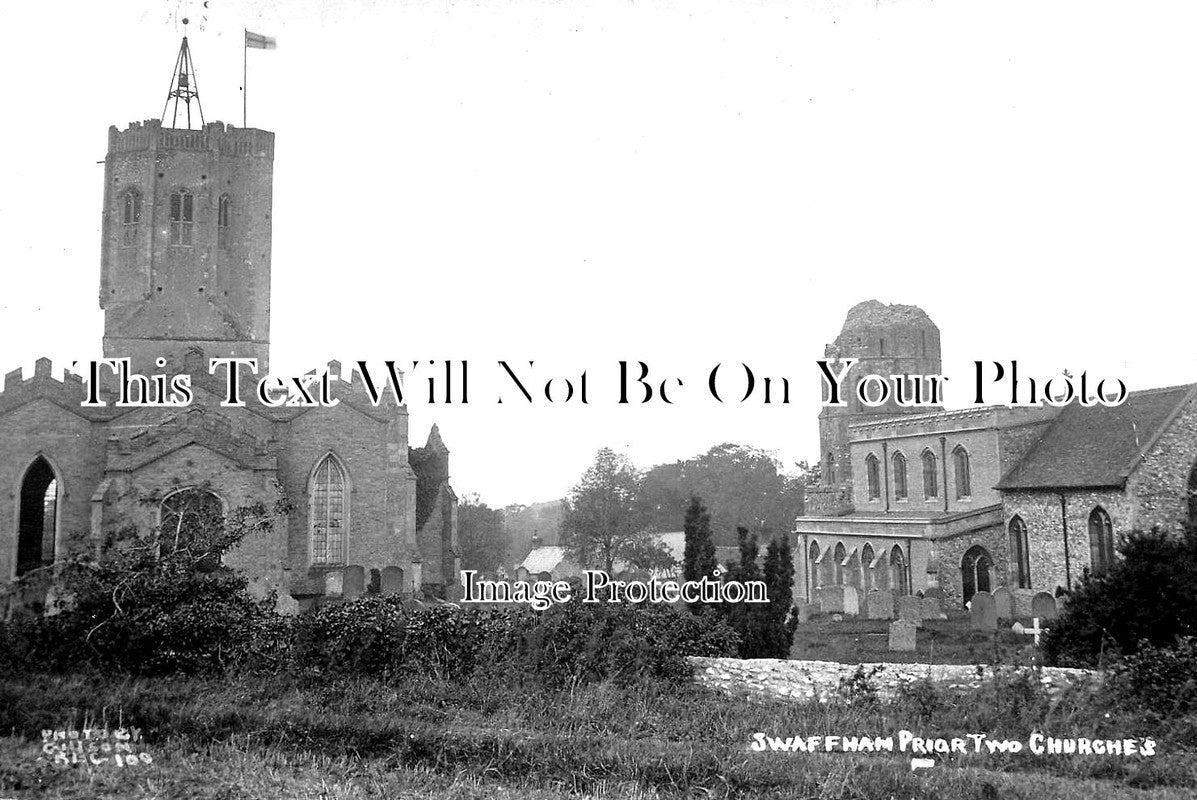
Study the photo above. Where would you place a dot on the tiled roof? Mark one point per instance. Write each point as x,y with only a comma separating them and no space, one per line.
1097,446
543,559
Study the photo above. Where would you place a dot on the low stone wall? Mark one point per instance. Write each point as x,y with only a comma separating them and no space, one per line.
820,680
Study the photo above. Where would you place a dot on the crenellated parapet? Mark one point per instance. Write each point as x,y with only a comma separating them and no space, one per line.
217,432
68,391
215,136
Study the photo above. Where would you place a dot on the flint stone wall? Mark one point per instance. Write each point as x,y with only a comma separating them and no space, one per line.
820,680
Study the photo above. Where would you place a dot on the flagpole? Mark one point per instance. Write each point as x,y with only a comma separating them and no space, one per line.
244,79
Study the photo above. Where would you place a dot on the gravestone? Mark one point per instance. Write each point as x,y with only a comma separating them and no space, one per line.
334,583
936,593
1022,603
910,608
879,604
902,636
804,610
355,582
932,609
454,592
830,599
982,612
1043,606
392,580
851,601
1003,601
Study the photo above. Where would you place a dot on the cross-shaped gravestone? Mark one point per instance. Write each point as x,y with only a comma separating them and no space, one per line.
1033,630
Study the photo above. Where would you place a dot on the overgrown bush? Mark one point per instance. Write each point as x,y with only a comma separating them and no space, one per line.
146,608
1161,679
1147,595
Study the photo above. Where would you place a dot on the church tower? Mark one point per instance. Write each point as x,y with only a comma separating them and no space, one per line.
185,253
886,340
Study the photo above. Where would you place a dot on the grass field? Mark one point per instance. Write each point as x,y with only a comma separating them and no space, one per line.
498,739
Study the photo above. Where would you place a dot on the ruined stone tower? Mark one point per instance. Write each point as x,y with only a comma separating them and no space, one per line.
185,256
887,340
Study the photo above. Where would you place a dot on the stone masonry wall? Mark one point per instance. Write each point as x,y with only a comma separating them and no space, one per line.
769,678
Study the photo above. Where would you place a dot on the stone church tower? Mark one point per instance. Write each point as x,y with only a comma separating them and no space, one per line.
887,340
185,255
185,277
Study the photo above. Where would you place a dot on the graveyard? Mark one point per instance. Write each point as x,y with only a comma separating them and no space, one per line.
998,629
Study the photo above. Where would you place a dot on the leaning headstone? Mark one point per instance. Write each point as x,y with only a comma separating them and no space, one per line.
1003,601
1022,603
932,609
982,612
334,583
355,582
910,608
851,601
902,636
879,604
1043,606
392,580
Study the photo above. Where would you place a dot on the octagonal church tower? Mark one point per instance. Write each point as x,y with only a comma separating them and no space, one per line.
886,340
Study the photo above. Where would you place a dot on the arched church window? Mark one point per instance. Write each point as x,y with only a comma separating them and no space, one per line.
190,519
182,218
897,572
1101,540
964,480
224,210
130,217
900,476
975,572
38,517
930,475
839,554
874,476
1020,554
329,512
831,476
866,567
813,560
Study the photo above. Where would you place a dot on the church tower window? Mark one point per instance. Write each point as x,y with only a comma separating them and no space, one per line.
930,475
130,217
900,476
874,477
182,218
1020,556
1101,540
329,512
964,488
224,211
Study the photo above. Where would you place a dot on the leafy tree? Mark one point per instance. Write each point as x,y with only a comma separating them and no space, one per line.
809,474
599,524
699,555
481,535
643,553
747,619
740,485
1147,595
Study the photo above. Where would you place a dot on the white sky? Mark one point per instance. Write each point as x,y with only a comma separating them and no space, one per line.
681,183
